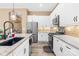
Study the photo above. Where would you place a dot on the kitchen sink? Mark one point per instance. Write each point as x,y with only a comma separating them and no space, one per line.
11,41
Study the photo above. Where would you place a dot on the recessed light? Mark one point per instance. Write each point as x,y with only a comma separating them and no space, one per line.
41,5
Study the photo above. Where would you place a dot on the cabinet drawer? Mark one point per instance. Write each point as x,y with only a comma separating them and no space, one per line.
72,49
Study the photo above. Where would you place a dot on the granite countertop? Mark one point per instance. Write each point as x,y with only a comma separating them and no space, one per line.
73,41
5,50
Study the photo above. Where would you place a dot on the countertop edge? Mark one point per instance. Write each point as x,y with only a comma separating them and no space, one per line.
67,42
16,45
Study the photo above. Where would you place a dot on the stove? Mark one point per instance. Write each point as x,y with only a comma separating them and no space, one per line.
50,39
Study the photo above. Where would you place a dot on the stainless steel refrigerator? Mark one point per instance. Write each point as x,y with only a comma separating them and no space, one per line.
32,27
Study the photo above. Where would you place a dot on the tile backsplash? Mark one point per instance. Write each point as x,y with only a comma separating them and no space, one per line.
72,30
47,29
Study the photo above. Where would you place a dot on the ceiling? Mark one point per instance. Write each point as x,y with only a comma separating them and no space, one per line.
30,6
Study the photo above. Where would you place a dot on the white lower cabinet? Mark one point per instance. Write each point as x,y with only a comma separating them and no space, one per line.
43,36
19,51
26,48
70,51
22,50
57,46
61,48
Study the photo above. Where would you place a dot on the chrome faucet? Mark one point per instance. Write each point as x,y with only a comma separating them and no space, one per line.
7,28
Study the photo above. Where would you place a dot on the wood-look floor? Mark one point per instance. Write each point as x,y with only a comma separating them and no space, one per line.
37,49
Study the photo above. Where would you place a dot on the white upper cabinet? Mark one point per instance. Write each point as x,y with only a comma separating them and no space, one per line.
67,12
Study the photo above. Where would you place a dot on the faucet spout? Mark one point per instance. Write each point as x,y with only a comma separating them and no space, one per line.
7,28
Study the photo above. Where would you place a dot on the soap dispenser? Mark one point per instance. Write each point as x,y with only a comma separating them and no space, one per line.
9,34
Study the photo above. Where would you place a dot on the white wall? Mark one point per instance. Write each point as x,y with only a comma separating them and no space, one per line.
67,11
42,20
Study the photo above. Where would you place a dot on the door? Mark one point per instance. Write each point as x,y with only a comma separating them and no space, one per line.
68,52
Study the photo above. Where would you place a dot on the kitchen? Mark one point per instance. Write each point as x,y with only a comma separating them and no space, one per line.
39,29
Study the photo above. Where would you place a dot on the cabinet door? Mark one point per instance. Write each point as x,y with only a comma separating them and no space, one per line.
70,51
26,48
57,47
42,36
22,50
45,37
19,51
67,52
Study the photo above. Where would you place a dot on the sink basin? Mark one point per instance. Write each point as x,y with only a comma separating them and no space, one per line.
11,41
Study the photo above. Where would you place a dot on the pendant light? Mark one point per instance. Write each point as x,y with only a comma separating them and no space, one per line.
12,14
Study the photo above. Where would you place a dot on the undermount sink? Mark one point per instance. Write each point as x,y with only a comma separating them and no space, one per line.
11,41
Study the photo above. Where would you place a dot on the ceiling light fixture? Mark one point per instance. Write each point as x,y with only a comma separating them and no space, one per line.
12,14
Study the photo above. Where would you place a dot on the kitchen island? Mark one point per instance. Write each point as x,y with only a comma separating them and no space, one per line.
21,48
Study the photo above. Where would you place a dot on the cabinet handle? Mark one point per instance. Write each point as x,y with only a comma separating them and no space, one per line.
61,49
68,47
24,50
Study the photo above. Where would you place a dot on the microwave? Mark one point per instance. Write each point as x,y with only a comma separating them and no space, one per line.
56,20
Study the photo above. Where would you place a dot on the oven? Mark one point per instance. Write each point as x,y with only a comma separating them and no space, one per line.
50,39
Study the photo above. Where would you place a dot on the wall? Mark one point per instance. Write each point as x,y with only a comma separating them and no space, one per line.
43,22
17,25
67,11
4,16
